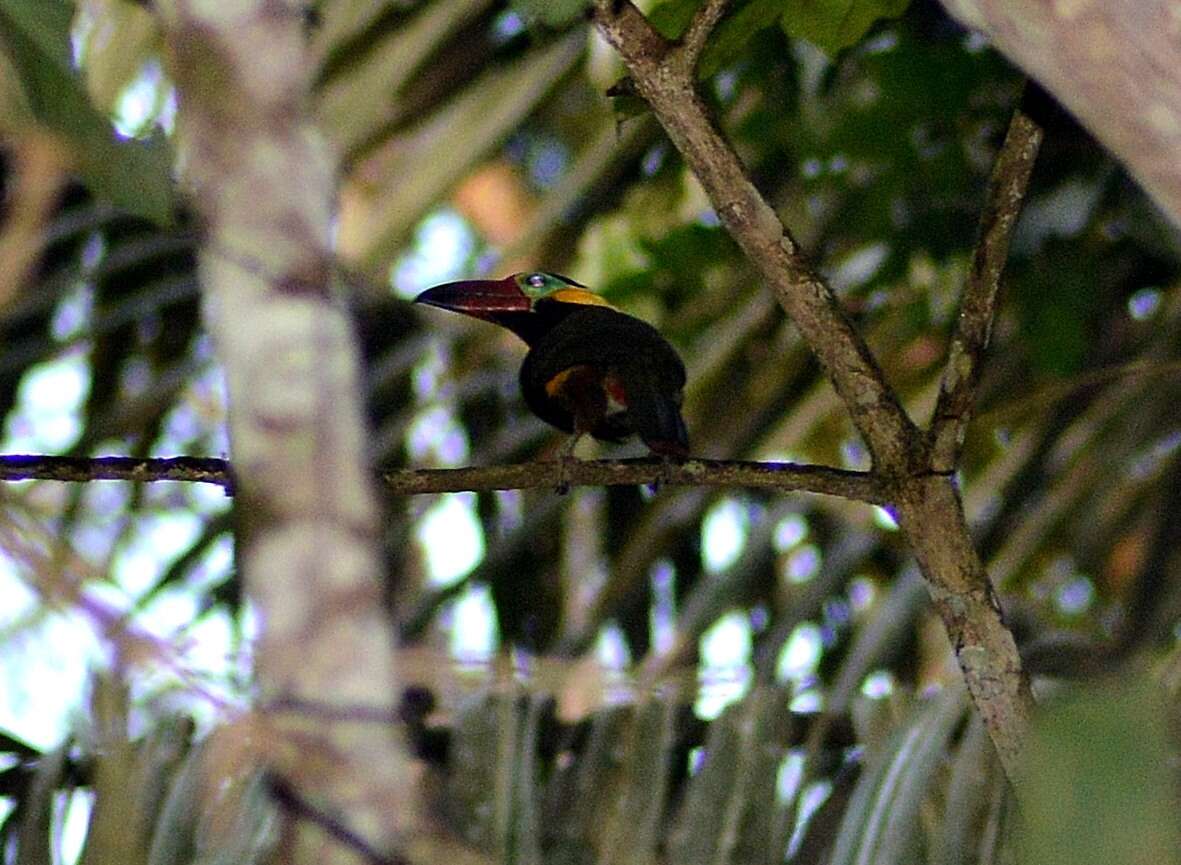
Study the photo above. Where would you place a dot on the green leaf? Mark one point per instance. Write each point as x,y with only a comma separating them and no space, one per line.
1098,784
671,17
135,175
835,24
552,13
46,23
729,41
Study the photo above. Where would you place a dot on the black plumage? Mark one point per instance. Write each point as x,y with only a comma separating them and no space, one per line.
605,373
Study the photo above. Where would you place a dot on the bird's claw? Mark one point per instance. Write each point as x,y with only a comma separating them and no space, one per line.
566,459
667,463
564,462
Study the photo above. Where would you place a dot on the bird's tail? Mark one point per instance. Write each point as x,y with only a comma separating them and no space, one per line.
656,415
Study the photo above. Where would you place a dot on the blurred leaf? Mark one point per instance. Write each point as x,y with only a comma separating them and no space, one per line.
35,842
582,797
237,820
671,17
346,108
1100,784
475,122
888,623
46,23
135,175
123,35
553,13
161,757
174,836
10,744
1058,299
974,773
524,824
881,825
626,102
117,831
637,819
835,24
182,568
727,815
15,112
728,41
486,739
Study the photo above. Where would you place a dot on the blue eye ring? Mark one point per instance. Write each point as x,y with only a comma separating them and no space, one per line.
536,280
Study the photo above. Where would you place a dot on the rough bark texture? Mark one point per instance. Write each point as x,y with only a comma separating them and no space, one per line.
957,392
856,486
930,513
1116,66
264,184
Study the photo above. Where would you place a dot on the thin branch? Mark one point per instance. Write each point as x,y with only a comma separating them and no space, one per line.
203,470
1006,194
784,477
697,33
288,797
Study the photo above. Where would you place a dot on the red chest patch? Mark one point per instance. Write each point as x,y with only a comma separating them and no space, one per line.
616,397
567,384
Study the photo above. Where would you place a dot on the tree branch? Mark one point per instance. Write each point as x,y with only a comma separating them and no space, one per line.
783,477
202,470
927,506
1006,194
669,89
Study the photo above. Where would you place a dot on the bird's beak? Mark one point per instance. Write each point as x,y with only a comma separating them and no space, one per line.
480,298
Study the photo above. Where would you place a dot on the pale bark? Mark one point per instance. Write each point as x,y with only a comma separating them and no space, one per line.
1116,66
264,183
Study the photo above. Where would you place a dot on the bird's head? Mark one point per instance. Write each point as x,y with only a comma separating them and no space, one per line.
494,299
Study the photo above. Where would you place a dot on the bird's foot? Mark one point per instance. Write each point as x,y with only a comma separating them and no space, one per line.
564,463
658,481
667,462
566,460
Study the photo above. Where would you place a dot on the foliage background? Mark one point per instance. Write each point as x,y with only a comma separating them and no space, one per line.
476,139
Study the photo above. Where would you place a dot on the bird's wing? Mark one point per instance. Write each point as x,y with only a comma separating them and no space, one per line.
633,352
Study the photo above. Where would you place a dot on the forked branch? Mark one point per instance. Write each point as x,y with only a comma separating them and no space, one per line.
926,504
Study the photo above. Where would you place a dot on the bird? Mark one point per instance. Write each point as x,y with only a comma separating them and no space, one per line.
590,369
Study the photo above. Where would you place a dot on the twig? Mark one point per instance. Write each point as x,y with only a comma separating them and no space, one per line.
1006,193
694,38
204,470
288,797
784,477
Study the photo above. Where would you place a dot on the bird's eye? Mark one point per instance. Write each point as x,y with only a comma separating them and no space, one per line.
536,280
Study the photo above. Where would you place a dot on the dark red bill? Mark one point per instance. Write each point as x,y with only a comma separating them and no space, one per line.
477,297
